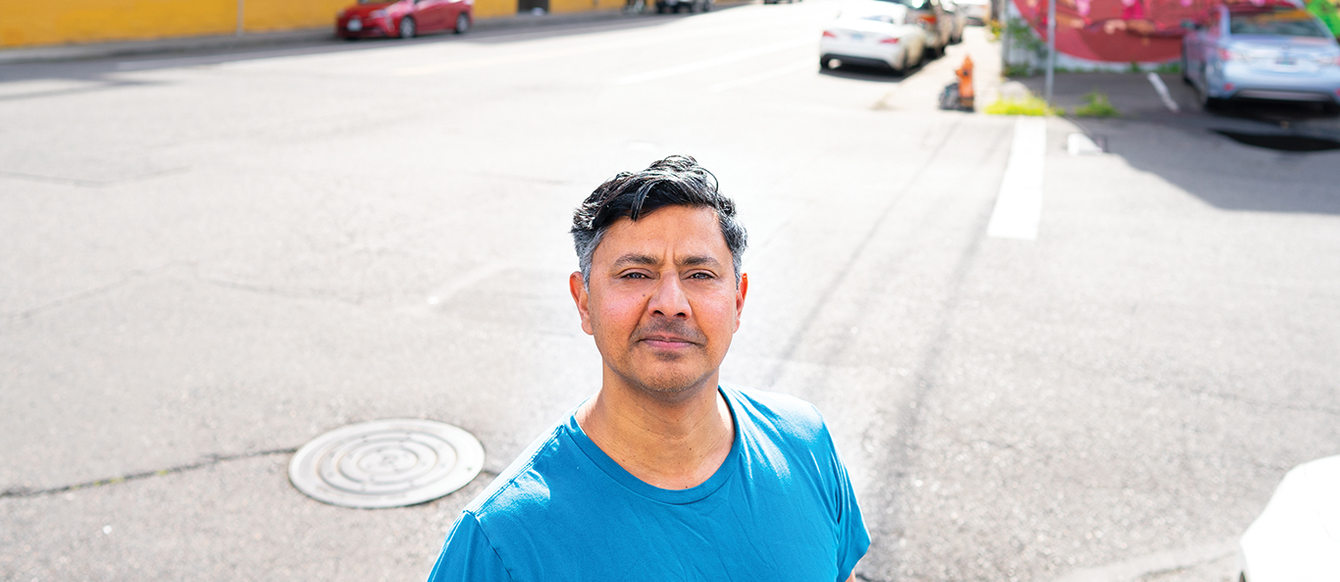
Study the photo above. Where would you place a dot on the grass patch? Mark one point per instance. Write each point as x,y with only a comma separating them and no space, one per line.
1030,106
1096,104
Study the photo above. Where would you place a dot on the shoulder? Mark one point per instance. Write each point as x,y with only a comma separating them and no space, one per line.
521,488
776,412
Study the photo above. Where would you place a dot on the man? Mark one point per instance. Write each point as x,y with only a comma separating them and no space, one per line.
663,474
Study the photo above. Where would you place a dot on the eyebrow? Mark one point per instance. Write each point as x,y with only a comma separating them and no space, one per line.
650,261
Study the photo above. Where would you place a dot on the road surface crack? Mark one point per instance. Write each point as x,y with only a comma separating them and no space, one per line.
207,461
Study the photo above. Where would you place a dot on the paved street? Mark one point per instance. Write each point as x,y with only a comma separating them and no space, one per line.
208,259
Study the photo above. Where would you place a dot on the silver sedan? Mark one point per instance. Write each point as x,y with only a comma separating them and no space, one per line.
1274,51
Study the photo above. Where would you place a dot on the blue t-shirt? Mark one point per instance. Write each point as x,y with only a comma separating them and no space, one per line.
779,508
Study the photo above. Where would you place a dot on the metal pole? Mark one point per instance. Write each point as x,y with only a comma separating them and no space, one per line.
240,7
1051,47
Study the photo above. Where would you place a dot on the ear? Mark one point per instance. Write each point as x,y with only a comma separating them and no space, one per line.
740,292
580,297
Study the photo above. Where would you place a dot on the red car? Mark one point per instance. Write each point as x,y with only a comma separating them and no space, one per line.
403,18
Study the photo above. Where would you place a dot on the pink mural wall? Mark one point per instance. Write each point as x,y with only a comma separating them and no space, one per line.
1116,31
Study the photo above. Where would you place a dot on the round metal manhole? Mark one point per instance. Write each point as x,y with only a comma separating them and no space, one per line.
386,463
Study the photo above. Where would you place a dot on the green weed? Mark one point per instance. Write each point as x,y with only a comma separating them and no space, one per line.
1030,106
1096,104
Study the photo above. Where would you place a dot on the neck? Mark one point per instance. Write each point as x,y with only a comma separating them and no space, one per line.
669,444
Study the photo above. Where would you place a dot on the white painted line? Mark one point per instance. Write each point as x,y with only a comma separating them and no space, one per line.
1163,93
1019,204
709,63
1078,144
764,76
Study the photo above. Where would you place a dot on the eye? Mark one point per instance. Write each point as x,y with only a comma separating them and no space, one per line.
702,275
634,275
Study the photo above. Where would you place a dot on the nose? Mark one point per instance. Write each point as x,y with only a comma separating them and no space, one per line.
668,298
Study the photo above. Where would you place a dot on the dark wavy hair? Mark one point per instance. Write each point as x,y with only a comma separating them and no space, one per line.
674,181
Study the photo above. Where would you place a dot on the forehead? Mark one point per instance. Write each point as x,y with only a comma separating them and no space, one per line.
677,231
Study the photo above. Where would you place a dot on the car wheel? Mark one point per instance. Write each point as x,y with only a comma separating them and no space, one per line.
462,23
1208,103
660,8
406,28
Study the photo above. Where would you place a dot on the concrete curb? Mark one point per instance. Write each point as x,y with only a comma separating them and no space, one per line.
281,38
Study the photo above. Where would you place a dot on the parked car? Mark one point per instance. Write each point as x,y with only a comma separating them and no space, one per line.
664,6
1297,536
1276,50
975,11
403,18
936,23
874,33
958,19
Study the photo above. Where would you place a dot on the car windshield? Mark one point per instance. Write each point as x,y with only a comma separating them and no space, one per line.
1278,23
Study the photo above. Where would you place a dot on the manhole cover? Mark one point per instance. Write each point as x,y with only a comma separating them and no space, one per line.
386,463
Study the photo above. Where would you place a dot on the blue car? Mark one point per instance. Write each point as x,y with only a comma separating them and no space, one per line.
1262,50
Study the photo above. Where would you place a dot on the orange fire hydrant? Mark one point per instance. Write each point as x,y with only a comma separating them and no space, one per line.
965,93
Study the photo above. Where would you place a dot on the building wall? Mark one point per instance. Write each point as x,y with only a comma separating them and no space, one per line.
55,22
558,6
491,8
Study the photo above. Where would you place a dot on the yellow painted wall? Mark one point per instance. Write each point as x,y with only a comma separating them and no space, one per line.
558,6
28,22
263,15
488,8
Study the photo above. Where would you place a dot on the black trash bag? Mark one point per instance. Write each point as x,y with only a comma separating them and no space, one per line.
949,97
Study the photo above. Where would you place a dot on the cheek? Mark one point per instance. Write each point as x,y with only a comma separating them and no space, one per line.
720,315
615,313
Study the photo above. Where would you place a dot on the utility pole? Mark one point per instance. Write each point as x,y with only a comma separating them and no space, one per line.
241,5
1051,47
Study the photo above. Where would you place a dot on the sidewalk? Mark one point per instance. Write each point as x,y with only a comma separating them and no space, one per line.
287,37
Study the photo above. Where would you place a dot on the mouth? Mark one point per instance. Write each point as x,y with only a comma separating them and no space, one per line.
667,342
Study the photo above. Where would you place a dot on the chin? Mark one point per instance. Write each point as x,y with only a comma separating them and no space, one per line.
672,389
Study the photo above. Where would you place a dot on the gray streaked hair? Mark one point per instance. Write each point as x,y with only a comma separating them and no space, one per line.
674,181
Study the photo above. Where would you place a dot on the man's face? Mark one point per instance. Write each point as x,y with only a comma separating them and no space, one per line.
662,302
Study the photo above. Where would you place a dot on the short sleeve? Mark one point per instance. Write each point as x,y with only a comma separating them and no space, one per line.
468,556
853,540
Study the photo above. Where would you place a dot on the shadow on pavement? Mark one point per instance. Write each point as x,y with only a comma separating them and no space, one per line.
873,73
1271,147
865,73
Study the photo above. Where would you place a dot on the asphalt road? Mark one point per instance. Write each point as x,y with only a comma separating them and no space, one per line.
208,259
